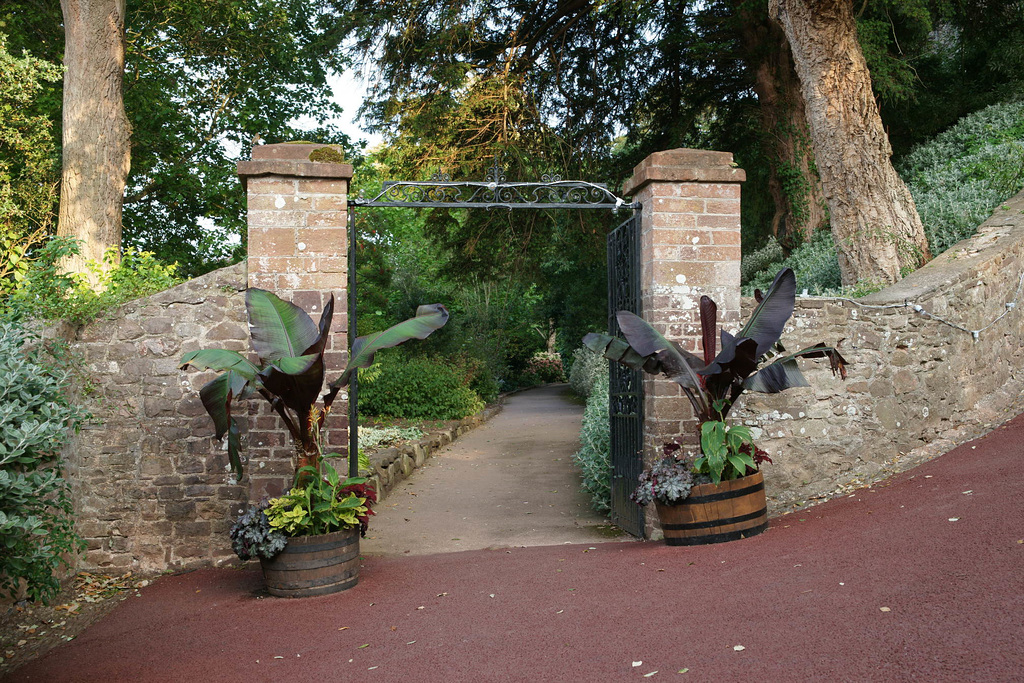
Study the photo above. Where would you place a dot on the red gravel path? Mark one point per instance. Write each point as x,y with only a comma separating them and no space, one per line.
805,600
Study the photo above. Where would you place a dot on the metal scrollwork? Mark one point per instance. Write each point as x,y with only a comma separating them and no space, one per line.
496,192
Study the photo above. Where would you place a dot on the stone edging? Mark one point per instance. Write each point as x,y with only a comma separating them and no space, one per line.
395,464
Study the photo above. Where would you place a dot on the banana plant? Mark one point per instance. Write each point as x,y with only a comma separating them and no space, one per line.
290,371
714,383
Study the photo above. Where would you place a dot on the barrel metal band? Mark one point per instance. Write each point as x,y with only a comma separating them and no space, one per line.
716,538
725,495
692,526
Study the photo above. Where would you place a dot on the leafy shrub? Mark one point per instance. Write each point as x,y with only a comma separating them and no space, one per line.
37,534
957,179
543,368
766,258
47,293
960,176
478,376
29,168
417,388
815,263
668,480
594,456
587,367
373,438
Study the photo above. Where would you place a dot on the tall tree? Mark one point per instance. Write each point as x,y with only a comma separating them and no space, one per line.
873,217
202,80
793,182
96,133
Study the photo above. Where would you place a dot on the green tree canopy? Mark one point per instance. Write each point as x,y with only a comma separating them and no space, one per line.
203,82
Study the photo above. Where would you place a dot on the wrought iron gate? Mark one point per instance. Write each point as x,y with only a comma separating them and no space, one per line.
626,388
495,192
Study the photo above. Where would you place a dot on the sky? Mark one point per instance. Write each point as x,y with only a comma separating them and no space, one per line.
349,91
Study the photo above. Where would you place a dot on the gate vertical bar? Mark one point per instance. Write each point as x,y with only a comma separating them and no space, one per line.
625,386
353,387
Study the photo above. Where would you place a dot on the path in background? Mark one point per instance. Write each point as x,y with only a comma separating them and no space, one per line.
509,483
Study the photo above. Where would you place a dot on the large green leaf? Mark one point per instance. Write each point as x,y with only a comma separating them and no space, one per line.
680,366
619,351
324,327
769,318
784,373
279,329
296,381
216,396
219,359
429,317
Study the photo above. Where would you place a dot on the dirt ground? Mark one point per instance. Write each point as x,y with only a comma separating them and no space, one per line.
30,630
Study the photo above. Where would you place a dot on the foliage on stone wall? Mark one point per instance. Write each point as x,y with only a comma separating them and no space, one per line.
916,386
152,488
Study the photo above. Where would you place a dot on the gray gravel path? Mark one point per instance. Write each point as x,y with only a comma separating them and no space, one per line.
508,483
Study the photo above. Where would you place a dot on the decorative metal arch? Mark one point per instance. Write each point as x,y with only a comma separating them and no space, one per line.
495,192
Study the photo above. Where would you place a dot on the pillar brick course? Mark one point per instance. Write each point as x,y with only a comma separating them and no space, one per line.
298,245
689,246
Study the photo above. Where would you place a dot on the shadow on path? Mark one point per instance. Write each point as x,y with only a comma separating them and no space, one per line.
508,483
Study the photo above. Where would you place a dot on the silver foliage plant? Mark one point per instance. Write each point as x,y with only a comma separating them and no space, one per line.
668,480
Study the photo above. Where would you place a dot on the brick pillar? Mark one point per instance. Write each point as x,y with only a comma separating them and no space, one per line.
690,245
298,245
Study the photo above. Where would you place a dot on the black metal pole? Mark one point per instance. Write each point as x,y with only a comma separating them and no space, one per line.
353,387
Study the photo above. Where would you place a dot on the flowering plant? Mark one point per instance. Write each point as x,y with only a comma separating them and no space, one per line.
543,368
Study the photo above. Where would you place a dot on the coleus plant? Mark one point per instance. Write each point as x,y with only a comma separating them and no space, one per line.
714,383
290,371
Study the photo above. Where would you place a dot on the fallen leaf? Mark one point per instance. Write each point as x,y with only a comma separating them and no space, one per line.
738,648
278,657
559,611
637,663
650,674
884,609
682,671
954,519
492,595
371,668
967,493
441,595
422,607
394,628
410,642
364,645
343,628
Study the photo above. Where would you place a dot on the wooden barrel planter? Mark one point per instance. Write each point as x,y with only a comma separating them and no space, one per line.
716,513
314,565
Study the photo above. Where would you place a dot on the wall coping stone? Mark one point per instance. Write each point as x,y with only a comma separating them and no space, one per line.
1002,232
684,165
291,159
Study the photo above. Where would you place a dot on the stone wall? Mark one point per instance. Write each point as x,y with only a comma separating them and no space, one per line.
916,386
152,488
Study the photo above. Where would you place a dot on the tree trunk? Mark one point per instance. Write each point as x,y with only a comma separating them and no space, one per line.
874,219
793,180
96,143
